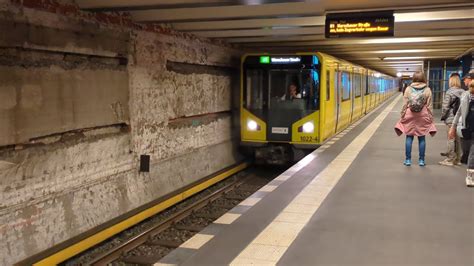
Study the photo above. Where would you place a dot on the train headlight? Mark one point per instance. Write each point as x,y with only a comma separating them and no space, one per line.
308,127
252,125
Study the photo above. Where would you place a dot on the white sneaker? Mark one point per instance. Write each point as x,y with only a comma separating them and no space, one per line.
469,181
446,162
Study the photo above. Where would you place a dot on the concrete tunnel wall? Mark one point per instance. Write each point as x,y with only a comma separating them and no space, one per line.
82,96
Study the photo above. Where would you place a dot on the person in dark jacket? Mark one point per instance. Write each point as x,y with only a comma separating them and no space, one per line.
468,78
466,144
463,125
450,103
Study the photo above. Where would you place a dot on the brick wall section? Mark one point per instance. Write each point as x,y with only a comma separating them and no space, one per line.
66,183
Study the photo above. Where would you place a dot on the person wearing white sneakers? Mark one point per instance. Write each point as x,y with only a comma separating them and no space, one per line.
451,102
463,125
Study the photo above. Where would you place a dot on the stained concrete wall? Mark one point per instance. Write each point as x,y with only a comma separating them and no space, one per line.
178,109
40,101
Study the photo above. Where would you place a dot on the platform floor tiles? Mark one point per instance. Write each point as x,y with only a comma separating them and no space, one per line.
351,202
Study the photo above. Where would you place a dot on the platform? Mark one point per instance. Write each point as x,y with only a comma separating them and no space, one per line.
351,202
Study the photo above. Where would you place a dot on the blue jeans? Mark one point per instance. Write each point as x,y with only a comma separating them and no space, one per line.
421,145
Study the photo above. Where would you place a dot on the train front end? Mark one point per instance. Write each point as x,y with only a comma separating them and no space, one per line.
280,103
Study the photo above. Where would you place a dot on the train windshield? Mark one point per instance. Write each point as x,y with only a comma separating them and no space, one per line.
276,89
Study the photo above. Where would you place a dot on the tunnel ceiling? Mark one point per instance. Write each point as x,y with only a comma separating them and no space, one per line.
424,29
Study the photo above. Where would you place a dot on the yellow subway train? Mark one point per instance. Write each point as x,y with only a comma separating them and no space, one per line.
292,103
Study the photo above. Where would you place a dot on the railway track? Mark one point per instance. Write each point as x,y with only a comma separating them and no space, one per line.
149,245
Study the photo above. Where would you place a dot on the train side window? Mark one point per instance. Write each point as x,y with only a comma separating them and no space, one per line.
346,86
357,85
328,85
372,84
366,84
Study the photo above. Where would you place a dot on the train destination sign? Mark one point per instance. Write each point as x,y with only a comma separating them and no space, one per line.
279,60
367,24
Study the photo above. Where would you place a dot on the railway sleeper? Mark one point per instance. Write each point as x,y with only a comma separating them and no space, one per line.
246,189
164,243
224,206
235,197
189,228
212,216
141,260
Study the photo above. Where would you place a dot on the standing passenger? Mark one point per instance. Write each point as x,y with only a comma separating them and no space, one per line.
466,144
468,78
463,125
416,117
451,103
404,88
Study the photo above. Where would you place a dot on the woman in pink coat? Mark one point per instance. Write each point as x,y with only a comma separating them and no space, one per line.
416,117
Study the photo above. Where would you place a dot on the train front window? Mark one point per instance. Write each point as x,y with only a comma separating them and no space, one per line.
276,89
294,89
256,78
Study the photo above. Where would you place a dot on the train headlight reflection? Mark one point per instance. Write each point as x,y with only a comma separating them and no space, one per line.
308,127
252,125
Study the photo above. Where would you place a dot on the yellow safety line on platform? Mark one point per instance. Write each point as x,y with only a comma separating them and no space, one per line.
95,239
270,245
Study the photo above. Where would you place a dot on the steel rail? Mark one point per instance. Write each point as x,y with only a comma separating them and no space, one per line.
140,239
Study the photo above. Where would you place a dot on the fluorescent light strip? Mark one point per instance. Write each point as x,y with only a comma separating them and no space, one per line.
413,57
435,15
414,39
406,51
393,59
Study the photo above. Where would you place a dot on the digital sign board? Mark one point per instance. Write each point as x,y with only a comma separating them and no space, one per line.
279,60
358,25
285,60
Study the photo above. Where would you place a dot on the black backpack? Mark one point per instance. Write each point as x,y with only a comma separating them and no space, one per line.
455,104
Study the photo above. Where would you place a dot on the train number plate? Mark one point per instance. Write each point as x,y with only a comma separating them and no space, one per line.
307,139
279,130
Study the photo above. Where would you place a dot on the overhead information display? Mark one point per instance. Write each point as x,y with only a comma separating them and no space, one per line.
357,25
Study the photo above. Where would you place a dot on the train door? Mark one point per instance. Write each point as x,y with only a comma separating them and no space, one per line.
372,91
337,82
366,91
328,100
345,100
353,89
358,96
362,94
